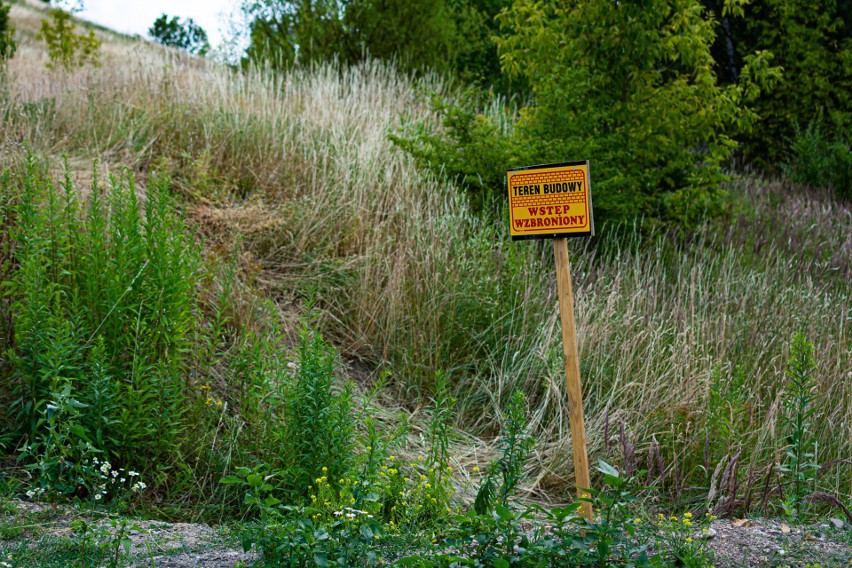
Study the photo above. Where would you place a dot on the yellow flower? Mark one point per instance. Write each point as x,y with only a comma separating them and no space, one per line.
688,539
687,523
324,469
687,515
475,469
637,521
660,516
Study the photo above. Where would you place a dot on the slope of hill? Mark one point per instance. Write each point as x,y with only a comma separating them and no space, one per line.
684,339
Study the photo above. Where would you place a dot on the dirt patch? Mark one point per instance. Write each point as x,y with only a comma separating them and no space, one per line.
36,534
736,543
767,542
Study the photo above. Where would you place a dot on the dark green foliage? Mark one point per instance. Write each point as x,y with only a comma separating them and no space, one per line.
182,34
819,159
449,36
631,87
8,46
812,42
472,150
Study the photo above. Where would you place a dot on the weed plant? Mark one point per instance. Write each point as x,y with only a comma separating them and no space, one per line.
317,432
800,465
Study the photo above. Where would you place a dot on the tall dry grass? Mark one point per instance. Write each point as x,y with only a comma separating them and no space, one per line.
297,168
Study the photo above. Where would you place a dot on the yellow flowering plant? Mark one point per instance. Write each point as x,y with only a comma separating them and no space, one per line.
684,537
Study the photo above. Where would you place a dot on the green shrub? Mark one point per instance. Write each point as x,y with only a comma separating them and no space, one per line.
66,47
811,42
103,304
471,149
818,160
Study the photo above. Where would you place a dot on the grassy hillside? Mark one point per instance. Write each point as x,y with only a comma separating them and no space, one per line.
684,338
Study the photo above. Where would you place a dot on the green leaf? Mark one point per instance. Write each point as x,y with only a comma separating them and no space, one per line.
504,513
607,469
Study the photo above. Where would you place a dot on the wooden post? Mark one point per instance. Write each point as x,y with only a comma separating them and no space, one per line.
572,371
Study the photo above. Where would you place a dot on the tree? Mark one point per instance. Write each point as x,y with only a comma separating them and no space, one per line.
66,47
812,42
8,46
632,87
449,36
182,34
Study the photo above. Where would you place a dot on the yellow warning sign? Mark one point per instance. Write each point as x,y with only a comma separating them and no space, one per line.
550,201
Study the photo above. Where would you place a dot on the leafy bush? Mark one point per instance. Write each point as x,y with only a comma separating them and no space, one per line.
472,149
643,105
66,47
818,160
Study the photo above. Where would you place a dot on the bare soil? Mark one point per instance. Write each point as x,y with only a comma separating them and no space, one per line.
735,542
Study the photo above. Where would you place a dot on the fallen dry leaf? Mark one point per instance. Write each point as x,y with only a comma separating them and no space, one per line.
741,523
785,529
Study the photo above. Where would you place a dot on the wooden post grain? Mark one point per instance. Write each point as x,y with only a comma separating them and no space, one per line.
572,371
